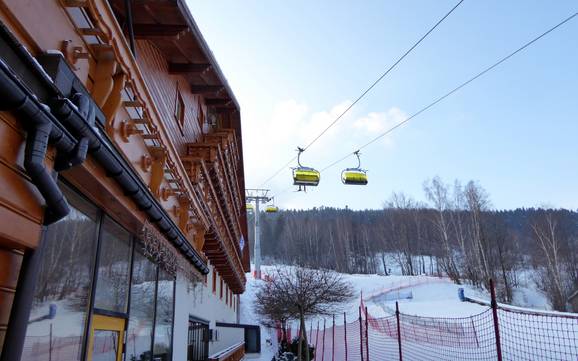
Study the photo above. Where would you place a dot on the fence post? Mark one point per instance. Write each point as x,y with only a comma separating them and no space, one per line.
360,334
345,333
310,334
495,317
323,342
366,333
316,338
398,331
333,340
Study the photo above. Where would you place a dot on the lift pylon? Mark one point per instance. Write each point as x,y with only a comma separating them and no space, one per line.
258,196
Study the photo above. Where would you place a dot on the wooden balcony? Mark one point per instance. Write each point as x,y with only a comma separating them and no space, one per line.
212,170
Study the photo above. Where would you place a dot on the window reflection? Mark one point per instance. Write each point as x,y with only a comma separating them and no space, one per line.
58,316
142,297
105,345
113,269
164,317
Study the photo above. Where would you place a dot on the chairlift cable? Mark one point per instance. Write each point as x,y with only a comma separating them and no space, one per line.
415,45
456,89
382,76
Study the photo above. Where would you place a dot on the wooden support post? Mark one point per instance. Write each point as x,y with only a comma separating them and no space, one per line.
157,169
113,101
103,82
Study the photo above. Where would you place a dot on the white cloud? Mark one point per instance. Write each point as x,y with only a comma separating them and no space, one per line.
380,122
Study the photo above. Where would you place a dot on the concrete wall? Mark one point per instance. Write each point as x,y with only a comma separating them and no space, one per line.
200,302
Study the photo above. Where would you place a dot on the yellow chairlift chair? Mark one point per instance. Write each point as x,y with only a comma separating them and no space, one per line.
305,176
354,176
271,208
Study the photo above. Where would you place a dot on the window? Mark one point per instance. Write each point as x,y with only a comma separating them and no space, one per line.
112,284
200,115
58,325
142,305
152,293
61,299
164,318
180,111
221,287
214,281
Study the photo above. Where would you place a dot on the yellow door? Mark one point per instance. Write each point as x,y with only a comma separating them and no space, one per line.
106,339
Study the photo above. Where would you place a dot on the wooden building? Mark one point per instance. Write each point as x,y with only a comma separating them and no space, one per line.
122,219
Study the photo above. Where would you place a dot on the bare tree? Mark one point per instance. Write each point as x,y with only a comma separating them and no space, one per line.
300,293
551,278
437,193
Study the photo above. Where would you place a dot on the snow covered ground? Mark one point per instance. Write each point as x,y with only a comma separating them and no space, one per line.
432,296
417,295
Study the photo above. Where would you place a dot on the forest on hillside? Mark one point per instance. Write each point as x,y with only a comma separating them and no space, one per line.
456,233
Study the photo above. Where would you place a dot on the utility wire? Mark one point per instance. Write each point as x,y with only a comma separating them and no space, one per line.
367,90
462,85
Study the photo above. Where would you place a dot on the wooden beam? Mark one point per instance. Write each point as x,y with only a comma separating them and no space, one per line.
217,101
186,68
206,89
147,31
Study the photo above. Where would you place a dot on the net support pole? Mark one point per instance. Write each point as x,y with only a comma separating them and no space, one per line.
360,334
345,333
495,317
316,339
366,333
310,334
398,331
333,340
323,343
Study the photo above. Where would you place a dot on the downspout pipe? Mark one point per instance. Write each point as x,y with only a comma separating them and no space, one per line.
42,129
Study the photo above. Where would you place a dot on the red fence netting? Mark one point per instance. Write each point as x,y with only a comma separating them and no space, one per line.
523,335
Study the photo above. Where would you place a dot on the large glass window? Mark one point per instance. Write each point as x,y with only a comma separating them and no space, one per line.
142,307
57,322
114,268
164,317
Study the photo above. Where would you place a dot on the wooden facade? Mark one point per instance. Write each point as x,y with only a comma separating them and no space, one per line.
168,111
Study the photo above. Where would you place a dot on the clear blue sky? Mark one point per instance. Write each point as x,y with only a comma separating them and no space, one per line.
294,64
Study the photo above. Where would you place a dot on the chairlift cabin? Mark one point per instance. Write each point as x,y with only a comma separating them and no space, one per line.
354,176
271,209
305,176
249,207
